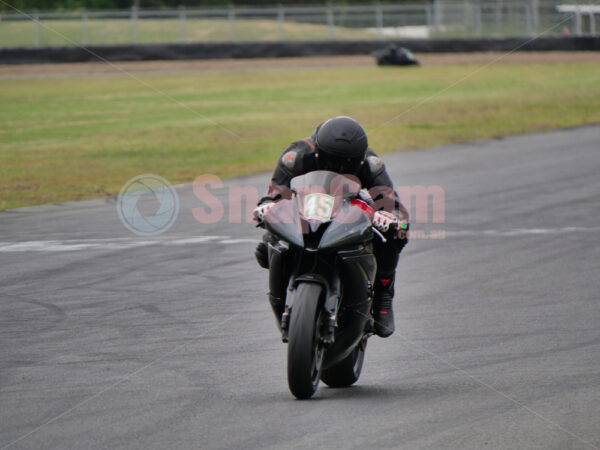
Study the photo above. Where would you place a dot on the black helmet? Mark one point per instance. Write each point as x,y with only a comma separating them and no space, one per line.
341,145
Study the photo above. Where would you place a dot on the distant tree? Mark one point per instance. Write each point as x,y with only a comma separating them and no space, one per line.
29,5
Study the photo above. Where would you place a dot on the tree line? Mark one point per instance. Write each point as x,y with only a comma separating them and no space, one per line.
70,5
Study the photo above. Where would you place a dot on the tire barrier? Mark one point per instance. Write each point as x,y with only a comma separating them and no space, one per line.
229,50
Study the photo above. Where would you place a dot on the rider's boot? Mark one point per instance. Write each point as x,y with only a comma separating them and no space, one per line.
262,255
262,249
382,306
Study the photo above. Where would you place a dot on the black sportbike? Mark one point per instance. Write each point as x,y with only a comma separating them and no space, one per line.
321,274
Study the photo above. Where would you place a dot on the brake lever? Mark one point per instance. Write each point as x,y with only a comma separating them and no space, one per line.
378,233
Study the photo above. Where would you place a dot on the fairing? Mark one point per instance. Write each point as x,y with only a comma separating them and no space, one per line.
320,199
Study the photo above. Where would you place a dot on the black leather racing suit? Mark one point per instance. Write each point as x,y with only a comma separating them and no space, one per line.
300,158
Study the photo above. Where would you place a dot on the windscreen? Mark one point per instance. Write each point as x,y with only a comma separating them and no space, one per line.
321,193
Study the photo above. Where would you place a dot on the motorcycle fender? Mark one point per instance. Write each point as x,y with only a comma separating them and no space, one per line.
309,278
313,278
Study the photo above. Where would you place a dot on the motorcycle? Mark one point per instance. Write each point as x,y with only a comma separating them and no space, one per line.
321,277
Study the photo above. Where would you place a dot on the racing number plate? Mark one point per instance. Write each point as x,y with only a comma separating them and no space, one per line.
318,207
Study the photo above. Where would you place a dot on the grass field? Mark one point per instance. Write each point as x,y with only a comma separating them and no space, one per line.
70,32
80,137
54,32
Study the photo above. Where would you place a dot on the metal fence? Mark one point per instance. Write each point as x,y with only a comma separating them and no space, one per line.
452,19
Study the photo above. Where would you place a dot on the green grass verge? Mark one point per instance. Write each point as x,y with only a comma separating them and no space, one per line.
75,138
103,32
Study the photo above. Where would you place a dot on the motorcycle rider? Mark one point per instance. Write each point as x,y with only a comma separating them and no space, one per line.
340,145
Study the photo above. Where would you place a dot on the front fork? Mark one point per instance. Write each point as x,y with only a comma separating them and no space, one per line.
279,274
354,269
281,261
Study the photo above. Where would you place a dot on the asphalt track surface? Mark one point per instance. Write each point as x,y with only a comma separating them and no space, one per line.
109,340
62,70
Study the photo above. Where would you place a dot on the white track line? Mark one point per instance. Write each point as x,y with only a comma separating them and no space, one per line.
70,245
522,232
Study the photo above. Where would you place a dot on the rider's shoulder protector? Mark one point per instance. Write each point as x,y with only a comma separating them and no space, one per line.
288,159
374,163
297,157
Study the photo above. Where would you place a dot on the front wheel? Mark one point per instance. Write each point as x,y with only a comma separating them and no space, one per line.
347,371
305,351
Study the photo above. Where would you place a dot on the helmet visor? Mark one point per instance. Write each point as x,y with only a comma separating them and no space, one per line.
339,164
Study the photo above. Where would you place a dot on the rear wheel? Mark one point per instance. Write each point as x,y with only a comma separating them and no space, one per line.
346,372
305,351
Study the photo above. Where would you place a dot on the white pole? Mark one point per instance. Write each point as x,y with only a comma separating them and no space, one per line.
535,10
498,16
231,16
437,14
84,18
528,24
134,24
330,22
281,22
182,23
428,17
478,20
465,17
36,28
379,19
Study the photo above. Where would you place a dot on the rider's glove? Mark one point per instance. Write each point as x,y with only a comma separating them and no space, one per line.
384,221
260,212
403,227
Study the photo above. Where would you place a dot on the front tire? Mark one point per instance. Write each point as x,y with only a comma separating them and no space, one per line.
305,351
346,372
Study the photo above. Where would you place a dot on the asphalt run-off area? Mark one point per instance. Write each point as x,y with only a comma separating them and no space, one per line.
113,340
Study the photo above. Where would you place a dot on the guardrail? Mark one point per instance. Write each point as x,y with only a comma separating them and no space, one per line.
440,19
